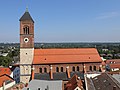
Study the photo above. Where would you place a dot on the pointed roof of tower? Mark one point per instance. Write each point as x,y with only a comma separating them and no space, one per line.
26,16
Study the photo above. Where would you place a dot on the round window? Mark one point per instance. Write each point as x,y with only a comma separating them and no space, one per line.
26,40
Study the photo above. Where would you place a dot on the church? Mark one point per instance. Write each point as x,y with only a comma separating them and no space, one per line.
52,64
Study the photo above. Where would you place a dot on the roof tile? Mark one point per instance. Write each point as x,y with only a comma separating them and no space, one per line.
76,55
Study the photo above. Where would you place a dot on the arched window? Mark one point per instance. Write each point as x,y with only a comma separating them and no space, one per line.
99,69
45,70
94,68
26,30
73,68
40,70
61,69
77,68
90,68
57,69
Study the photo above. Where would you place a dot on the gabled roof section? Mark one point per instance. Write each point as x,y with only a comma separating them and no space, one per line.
5,70
5,78
105,82
73,83
26,16
75,55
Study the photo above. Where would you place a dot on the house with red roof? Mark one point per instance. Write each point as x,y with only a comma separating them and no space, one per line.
114,64
6,82
75,83
5,70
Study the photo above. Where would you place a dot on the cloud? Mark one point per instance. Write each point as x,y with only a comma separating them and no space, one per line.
108,15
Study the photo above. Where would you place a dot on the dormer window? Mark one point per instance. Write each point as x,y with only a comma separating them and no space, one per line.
26,30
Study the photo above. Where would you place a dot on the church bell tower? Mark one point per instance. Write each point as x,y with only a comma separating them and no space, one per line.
26,46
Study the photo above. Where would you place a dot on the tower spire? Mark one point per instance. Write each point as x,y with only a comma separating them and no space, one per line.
26,16
26,9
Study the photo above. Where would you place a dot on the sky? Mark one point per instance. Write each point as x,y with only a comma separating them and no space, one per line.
62,20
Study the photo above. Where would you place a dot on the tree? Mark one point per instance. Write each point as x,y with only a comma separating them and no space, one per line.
5,61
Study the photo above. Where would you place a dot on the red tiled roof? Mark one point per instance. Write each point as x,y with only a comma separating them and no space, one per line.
117,65
4,78
113,61
4,70
73,83
75,55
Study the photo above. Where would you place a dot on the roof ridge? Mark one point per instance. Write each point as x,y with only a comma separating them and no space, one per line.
64,54
7,75
63,48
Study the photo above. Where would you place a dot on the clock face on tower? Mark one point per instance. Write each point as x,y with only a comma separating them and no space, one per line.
26,40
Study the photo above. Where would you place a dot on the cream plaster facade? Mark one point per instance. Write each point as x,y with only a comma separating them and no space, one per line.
26,58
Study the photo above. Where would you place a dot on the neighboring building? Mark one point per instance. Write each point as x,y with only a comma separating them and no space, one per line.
75,83
16,58
102,82
44,85
52,63
92,75
13,72
3,54
6,82
117,77
18,86
5,70
104,50
16,74
117,55
114,64
107,56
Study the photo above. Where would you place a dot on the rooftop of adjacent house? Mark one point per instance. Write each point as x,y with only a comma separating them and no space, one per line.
18,86
5,70
90,85
5,78
117,77
105,82
74,82
75,55
44,85
115,65
57,76
113,61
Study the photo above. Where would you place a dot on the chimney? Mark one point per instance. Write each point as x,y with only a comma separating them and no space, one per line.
51,73
68,72
114,88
